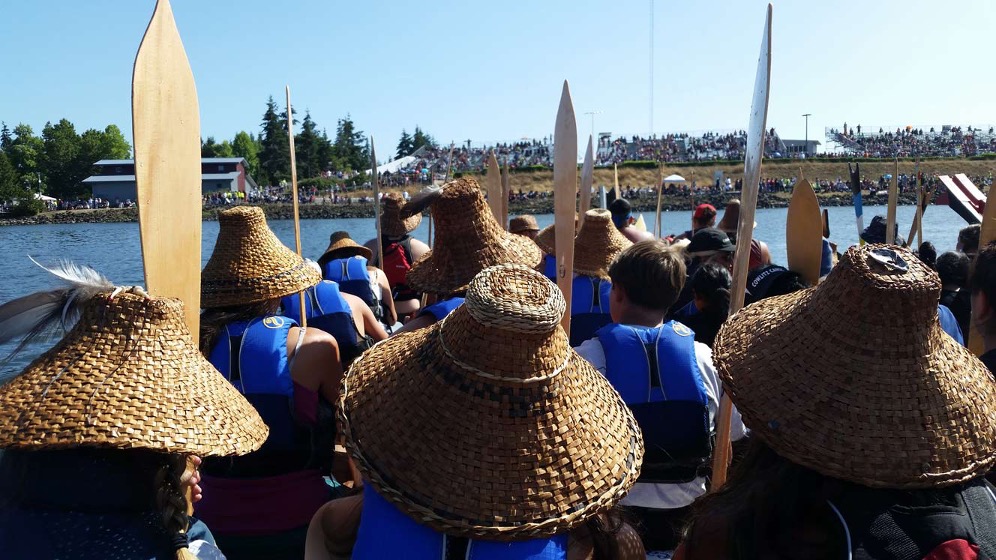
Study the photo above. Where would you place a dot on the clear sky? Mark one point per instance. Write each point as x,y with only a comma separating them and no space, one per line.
492,71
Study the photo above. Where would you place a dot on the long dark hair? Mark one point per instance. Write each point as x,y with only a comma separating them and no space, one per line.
712,282
213,320
764,505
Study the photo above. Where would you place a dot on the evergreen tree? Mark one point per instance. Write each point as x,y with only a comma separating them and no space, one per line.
306,147
405,145
421,139
10,185
274,153
6,139
245,146
325,152
350,148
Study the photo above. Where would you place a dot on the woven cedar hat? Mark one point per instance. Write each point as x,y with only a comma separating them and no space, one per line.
597,244
856,380
521,223
468,240
342,246
488,424
546,239
128,376
391,222
249,264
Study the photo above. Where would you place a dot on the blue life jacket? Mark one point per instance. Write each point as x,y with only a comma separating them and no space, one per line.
328,310
657,374
252,355
949,324
550,267
386,532
441,309
352,276
589,307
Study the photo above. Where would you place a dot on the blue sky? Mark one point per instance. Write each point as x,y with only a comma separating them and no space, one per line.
491,71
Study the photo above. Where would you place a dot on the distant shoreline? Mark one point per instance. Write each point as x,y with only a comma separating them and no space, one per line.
365,210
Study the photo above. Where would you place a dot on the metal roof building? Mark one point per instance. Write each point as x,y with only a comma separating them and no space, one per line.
114,179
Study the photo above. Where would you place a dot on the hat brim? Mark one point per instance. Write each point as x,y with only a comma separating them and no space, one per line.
429,275
545,239
446,449
859,414
342,251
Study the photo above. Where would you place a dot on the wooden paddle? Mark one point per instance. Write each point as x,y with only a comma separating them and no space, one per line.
506,191
166,131
493,183
660,194
375,185
986,235
804,233
925,199
615,178
745,229
587,178
826,223
565,184
890,215
297,217
918,218
855,175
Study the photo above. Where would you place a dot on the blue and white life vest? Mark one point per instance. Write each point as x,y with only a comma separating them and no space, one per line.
589,307
252,355
352,276
328,310
386,532
657,374
441,309
550,267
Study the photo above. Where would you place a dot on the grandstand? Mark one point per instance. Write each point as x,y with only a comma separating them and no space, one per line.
909,141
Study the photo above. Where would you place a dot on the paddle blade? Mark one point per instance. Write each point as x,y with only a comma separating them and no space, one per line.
826,223
615,180
167,136
506,190
565,180
494,187
803,233
587,178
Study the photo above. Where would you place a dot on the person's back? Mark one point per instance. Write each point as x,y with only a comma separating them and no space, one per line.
595,247
953,269
710,305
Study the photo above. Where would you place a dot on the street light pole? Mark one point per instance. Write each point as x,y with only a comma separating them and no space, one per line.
805,147
592,115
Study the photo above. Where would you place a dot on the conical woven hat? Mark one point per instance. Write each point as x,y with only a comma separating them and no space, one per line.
488,424
128,376
249,264
391,223
856,380
597,244
468,240
546,239
342,246
523,223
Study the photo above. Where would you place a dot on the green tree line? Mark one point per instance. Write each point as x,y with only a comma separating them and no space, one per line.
56,162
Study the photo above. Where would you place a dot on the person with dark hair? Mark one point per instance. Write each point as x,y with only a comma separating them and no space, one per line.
983,287
710,305
703,217
622,217
927,253
816,482
667,378
968,240
876,231
953,267
708,245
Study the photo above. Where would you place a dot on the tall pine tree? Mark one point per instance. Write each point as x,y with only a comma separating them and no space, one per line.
307,146
421,139
350,148
404,145
274,153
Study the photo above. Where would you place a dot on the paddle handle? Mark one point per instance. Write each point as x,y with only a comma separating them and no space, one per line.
297,217
375,183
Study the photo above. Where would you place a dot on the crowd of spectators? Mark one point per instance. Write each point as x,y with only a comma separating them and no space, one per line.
949,141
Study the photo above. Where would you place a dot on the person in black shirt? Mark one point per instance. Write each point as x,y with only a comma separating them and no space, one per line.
952,267
983,285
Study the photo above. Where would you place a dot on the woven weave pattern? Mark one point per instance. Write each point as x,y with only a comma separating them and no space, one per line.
468,240
342,246
855,378
128,375
488,424
249,264
597,244
391,223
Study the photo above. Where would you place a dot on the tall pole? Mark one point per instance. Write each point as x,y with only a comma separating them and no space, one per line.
651,67
592,115
805,147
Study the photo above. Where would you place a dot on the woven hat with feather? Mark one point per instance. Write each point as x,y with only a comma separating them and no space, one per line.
468,239
856,380
392,222
249,264
342,246
597,244
128,375
487,424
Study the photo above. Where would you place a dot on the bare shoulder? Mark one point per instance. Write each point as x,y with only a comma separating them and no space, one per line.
419,248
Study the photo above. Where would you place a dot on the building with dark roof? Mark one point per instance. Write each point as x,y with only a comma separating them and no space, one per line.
114,179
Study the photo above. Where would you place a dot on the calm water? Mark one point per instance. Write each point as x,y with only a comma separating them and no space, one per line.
114,249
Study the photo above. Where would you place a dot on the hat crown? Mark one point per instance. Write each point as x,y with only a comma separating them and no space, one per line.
458,201
515,298
338,236
247,215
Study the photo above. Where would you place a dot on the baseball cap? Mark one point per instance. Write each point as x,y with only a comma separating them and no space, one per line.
704,212
710,240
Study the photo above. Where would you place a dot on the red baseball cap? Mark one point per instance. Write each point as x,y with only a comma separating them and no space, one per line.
705,212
